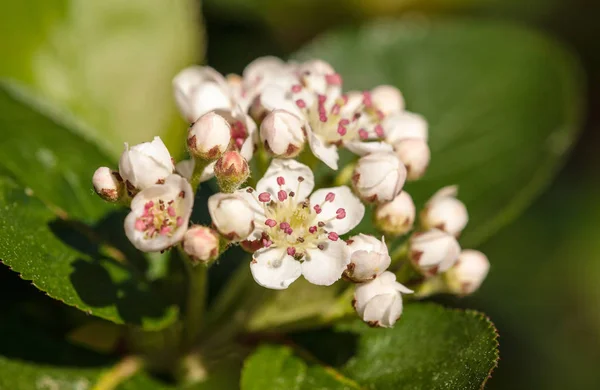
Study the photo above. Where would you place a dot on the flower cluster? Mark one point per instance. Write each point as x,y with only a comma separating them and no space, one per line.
297,114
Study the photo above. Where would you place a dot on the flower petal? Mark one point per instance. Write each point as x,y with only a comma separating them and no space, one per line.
362,148
274,268
290,171
324,267
327,154
384,309
275,97
344,198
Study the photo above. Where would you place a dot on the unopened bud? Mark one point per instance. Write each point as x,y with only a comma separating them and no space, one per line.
282,134
231,171
379,302
443,211
108,184
387,99
201,244
231,215
397,216
467,274
415,155
198,90
209,137
369,257
400,126
379,177
145,165
433,251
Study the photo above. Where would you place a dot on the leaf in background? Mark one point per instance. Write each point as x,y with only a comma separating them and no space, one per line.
503,104
276,368
430,347
108,62
64,260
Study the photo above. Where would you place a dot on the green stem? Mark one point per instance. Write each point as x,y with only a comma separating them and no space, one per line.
345,175
199,166
119,373
196,300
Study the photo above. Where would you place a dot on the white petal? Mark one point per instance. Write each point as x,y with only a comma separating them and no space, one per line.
290,171
328,154
324,267
276,97
362,148
404,125
344,198
402,288
378,307
388,99
274,268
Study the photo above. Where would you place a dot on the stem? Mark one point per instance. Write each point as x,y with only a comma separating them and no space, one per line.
199,166
196,299
399,254
119,373
345,175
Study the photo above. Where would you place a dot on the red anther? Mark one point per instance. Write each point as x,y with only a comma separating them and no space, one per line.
280,180
291,251
344,122
296,88
171,211
341,130
282,195
284,226
367,101
165,230
301,103
322,99
312,229
264,197
362,133
333,79
379,131
289,231
323,118
239,142
140,225
317,209
330,197
270,222
321,246
149,205
333,236
340,213
179,221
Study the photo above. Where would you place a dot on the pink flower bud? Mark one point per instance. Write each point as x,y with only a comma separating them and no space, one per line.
467,274
379,177
209,137
433,251
231,171
201,243
443,211
282,134
397,216
415,155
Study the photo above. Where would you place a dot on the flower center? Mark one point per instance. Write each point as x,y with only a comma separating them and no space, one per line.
296,225
159,218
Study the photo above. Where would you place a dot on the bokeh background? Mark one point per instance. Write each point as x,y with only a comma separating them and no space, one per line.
110,63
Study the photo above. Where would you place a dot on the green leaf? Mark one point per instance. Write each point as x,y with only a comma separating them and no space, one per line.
276,368
67,261
46,157
108,62
503,104
430,347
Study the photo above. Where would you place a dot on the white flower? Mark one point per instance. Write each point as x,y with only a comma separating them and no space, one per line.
209,137
443,211
468,273
415,155
397,216
108,184
201,89
299,234
379,302
400,126
201,243
379,177
232,216
144,165
160,214
282,134
368,258
433,251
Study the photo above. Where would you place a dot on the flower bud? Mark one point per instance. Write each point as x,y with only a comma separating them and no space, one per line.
201,243
433,251
231,171
387,99
415,155
397,216
282,134
209,137
369,257
379,302
443,211
108,184
466,275
145,165
379,177
404,125
231,215
200,89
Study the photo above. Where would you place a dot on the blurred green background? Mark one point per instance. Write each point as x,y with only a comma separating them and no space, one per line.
109,64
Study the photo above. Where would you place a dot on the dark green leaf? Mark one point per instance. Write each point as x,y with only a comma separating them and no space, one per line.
429,348
276,368
109,63
503,104
67,261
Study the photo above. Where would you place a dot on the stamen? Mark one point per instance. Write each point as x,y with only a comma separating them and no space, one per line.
367,101
291,251
312,229
300,179
379,131
340,213
330,197
264,197
321,246
140,225
362,133
282,195
321,224
280,180
296,88
317,209
179,221
284,226
333,79
301,103
171,211
333,236
270,222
